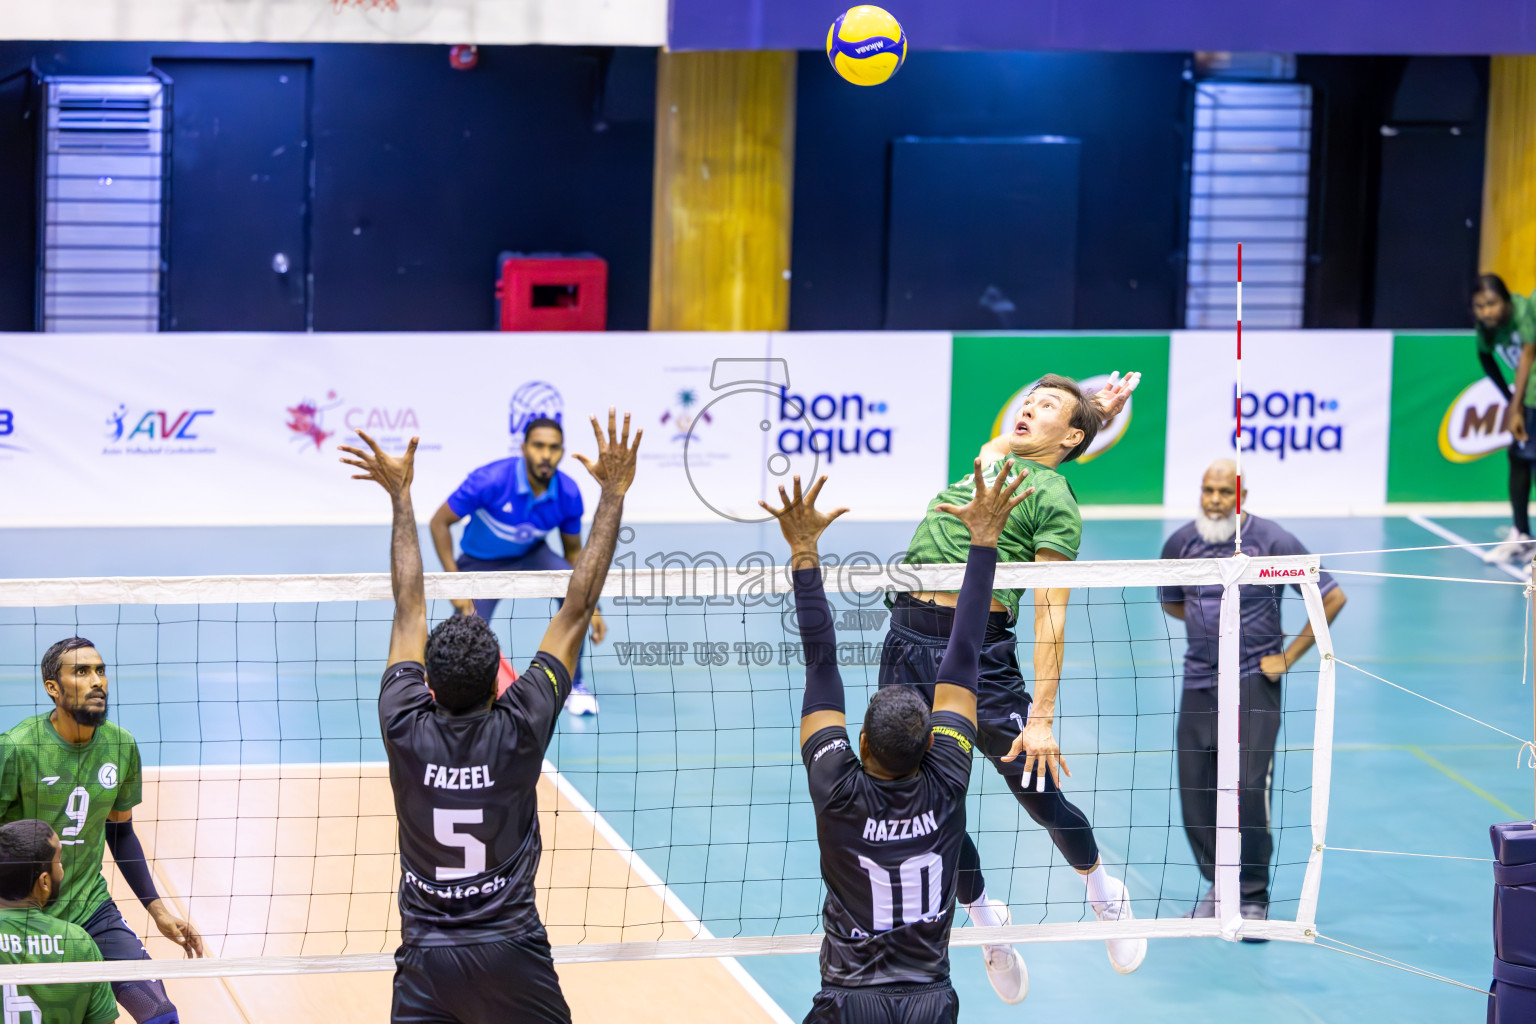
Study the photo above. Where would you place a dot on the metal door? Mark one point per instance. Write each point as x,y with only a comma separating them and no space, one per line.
238,251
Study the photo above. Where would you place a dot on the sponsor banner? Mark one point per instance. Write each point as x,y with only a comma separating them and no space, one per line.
1448,440
10,444
993,372
1314,407
243,429
869,410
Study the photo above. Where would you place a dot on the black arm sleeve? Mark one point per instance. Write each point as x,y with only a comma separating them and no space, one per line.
1495,373
818,639
129,854
962,655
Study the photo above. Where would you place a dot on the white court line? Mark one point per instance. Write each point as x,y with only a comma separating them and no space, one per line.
1466,545
664,891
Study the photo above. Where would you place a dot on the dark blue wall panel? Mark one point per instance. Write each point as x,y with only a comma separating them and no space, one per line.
1290,26
422,174
1127,110
983,233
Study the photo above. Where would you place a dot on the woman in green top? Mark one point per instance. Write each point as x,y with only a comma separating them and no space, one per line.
1506,344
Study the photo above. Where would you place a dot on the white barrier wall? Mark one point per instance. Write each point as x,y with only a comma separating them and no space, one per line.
241,429
160,429
576,22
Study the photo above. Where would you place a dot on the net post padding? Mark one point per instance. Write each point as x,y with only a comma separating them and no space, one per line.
1228,758
1322,756
743,580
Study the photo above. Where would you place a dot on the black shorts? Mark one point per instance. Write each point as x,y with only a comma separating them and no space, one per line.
934,1003
113,936
914,646
510,981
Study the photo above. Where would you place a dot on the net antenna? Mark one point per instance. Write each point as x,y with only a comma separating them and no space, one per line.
1238,462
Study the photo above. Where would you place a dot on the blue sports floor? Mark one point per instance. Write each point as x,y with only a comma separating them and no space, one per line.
696,767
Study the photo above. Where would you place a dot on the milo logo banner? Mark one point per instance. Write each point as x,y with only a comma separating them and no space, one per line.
993,372
1448,440
1314,417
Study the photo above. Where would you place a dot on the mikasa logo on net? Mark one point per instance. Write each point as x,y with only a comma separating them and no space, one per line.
1271,574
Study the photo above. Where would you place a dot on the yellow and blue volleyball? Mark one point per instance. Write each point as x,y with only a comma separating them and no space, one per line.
866,45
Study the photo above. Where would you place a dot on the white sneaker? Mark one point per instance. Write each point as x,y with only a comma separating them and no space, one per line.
581,701
1516,549
1125,955
1006,970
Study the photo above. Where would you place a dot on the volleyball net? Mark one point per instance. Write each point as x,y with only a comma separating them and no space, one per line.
677,822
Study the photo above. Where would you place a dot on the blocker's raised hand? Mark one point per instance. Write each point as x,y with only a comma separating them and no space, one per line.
801,522
614,469
986,513
392,473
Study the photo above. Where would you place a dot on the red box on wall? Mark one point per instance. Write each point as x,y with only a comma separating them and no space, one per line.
547,292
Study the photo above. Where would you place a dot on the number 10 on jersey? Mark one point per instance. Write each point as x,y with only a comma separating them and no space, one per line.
922,886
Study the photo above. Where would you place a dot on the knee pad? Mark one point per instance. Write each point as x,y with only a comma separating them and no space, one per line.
146,1001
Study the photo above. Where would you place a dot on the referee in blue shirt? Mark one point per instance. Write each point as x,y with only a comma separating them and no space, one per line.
512,505
1264,658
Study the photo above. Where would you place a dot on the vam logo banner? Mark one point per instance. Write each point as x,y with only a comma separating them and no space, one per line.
534,400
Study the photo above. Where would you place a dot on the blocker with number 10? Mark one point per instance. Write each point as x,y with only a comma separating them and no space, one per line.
866,45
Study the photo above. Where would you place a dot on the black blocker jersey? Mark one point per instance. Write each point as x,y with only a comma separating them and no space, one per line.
466,796
889,855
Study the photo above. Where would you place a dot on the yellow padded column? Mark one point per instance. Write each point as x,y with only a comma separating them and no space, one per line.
725,158
1509,175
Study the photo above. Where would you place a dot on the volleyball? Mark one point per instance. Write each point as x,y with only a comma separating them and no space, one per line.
866,45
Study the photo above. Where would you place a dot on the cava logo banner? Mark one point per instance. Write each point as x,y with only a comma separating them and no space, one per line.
1447,418
1314,412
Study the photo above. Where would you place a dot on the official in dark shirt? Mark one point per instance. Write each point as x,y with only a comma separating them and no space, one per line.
464,765
890,819
1264,660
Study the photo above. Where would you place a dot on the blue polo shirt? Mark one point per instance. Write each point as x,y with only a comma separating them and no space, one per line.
1262,634
505,518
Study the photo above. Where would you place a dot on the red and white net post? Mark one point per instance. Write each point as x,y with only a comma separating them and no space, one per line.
1238,395
1229,686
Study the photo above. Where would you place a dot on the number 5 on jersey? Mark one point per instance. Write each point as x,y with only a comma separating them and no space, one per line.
444,824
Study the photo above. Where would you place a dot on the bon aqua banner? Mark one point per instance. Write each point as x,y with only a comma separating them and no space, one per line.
990,373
